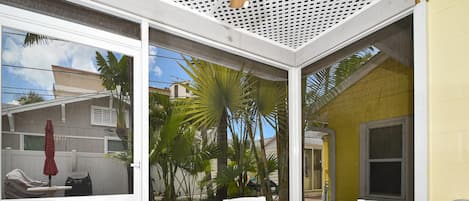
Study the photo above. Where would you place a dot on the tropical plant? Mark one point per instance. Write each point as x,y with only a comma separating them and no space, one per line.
175,148
268,98
34,39
115,77
219,92
323,84
31,97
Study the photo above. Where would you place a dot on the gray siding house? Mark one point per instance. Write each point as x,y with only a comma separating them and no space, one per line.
83,123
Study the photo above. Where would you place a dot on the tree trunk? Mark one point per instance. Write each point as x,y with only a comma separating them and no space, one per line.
282,156
222,161
208,173
265,179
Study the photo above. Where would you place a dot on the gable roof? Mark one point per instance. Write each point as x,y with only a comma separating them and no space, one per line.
369,66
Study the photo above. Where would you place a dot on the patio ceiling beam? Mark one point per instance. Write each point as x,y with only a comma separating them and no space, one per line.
176,19
369,20
383,39
202,51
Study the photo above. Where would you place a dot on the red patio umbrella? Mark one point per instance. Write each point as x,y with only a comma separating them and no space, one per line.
50,168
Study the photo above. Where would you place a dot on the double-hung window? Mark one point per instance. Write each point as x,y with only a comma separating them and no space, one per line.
384,167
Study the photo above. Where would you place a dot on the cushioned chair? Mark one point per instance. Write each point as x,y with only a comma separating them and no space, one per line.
16,184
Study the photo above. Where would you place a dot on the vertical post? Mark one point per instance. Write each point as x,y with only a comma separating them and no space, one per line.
63,112
21,142
74,161
421,102
295,127
1,129
145,170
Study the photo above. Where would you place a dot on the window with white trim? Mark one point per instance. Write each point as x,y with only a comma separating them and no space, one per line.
105,116
384,157
114,145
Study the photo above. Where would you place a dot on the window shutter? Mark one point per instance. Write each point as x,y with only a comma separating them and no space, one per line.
97,117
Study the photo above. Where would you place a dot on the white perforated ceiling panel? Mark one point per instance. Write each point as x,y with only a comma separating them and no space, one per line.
289,22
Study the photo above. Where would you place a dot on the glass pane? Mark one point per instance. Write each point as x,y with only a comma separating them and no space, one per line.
385,178
205,124
34,143
116,146
365,85
49,87
386,142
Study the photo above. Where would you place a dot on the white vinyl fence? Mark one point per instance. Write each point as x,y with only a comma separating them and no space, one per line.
109,176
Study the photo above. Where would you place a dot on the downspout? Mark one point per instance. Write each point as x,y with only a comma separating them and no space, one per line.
332,173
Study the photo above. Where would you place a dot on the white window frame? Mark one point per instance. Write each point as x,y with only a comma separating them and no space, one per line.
107,109
24,20
106,143
92,117
365,161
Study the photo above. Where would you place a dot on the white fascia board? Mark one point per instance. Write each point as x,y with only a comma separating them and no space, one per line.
181,21
370,19
55,102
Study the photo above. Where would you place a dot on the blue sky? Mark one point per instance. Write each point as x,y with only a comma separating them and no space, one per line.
17,80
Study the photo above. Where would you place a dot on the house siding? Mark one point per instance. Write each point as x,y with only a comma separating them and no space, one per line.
78,123
385,93
448,40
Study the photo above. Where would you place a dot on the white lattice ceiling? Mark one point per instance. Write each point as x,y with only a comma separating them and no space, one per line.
288,22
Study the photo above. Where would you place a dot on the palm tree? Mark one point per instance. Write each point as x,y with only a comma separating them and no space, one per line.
174,147
31,97
322,85
219,92
115,78
268,99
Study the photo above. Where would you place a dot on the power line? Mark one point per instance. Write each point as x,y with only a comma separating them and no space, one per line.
42,69
166,57
21,88
17,93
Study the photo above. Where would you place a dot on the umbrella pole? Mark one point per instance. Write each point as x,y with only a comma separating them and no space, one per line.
50,180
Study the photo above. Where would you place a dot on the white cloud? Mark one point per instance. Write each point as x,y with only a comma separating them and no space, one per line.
156,70
14,102
43,56
153,50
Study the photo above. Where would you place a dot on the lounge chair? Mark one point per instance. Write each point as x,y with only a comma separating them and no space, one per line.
17,182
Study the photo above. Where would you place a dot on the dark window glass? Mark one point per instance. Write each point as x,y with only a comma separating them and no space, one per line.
386,142
115,146
33,143
385,178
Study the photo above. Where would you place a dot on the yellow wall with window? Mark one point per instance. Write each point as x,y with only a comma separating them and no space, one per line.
448,99
384,93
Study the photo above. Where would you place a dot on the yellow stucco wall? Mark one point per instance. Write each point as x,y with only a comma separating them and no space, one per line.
384,93
448,99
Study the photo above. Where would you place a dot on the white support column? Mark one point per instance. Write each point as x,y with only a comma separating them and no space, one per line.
111,99
295,138
1,129
22,142
11,122
144,104
62,109
421,102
